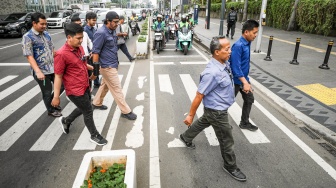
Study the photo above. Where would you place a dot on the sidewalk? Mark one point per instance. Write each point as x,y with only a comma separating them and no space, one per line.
305,91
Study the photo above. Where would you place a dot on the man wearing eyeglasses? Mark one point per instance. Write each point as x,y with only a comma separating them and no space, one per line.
105,51
216,90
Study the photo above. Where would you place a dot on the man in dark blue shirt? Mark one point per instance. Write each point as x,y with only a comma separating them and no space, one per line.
91,19
217,92
240,63
105,51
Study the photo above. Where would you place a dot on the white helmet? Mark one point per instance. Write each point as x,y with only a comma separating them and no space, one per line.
159,16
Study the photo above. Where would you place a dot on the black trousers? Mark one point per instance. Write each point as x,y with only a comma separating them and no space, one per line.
247,105
83,104
46,86
231,26
124,49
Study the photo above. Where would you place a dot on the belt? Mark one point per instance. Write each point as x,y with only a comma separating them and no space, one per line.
214,110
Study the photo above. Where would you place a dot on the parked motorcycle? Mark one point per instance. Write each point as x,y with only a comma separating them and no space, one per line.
158,40
185,42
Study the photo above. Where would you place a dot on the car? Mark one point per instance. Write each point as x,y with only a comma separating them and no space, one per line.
80,14
15,24
58,18
121,12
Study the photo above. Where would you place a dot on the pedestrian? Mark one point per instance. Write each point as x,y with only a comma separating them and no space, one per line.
89,28
240,63
217,92
87,46
231,22
38,48
105,51
71,69
121,39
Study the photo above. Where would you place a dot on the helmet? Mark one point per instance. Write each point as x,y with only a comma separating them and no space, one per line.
190,13
159,16
133,13
184,19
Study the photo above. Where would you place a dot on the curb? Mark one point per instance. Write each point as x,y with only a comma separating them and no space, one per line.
321,130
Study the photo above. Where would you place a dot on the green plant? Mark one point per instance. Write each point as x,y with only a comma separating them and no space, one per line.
142,38
105,178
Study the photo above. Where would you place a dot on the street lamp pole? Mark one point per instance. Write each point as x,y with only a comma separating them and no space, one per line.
262,14
222,18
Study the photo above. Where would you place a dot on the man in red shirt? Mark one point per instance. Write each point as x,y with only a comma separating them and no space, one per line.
71,68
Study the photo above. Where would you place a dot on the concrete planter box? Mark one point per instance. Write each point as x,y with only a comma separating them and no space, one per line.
142,47
106,159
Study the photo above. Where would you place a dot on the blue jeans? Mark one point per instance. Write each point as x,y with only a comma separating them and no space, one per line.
219,120
124,49
83,104
47,90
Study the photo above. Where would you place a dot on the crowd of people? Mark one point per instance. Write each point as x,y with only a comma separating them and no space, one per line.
72,68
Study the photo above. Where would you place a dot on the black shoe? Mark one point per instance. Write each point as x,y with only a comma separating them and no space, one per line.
98,139
58,108
236,174
129,116
153,49
227,35
231,37
102,107
188,144
55,114
65,126
132,59
248,126
96,85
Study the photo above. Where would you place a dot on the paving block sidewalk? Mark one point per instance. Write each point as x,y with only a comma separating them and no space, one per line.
311,91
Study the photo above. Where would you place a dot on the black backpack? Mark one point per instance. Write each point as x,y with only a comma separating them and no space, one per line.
232,16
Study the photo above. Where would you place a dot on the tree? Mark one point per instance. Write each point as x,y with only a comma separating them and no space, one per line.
291,24
245,11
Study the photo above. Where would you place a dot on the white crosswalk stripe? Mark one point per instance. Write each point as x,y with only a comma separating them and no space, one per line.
6,79
15,87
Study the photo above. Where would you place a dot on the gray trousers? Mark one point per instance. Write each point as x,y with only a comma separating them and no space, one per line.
219,120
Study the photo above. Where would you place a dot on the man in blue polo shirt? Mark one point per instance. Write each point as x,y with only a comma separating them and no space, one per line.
105,51
217,92
240,63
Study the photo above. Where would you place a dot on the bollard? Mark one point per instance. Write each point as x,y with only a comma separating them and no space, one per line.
268,56
294,61
326,58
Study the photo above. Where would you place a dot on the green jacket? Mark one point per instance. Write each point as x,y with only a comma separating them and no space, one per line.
155,26
191,20
184,25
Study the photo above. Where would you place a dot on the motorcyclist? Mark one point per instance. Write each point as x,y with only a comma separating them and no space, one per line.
183,23
191,20
134,18
176,17
170,19
159,24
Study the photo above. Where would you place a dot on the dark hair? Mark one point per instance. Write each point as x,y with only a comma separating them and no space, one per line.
35,17
215,44
121,18
72,29
249,25
90,15
75,19
232,8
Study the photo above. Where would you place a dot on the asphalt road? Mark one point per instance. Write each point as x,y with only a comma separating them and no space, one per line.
34,152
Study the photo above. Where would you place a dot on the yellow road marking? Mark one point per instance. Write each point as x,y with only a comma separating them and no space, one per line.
320,92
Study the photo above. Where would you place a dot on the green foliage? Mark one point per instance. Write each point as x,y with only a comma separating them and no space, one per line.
278,13
316,16
105,178
142,38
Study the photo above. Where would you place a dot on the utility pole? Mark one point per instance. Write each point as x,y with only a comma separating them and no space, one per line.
262,15
221,26
207,14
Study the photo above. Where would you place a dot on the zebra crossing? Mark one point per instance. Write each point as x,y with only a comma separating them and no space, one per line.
50,137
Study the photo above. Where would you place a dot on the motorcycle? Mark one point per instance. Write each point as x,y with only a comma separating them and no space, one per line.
158,40
133,28
154,18
172,30
184,40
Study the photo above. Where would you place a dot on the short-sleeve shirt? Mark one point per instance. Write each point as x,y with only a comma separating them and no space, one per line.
41,47
105,44
71,63
217,86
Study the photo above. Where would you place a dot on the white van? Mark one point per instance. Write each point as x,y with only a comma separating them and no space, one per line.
58,19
